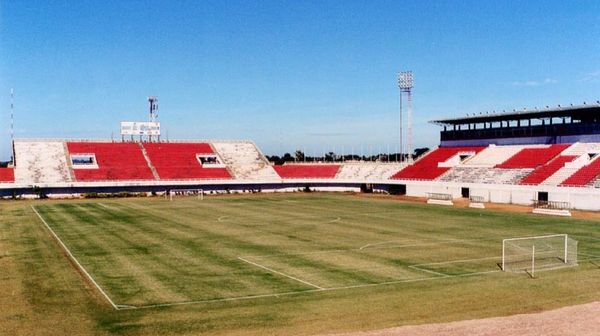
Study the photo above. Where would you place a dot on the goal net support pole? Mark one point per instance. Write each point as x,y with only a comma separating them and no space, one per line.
566,250
533,261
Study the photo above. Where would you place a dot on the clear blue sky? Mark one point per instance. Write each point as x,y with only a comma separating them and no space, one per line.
288,75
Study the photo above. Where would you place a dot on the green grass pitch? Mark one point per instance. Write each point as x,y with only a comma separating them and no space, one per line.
304,263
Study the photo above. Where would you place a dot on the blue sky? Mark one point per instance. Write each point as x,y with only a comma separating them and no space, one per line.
298,74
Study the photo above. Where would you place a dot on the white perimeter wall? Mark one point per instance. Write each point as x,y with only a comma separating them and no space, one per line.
579,198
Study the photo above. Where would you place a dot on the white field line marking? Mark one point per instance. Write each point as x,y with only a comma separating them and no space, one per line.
415,267
222,218
363,248
379,243
440,242
72,257
418,266
297,254
335,220
474,273
280,273
235,298
456,261
316,290
548,268
104,206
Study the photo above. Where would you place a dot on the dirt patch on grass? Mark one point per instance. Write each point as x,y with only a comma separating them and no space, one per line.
574,320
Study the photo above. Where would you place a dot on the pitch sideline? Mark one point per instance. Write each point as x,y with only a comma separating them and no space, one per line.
72,257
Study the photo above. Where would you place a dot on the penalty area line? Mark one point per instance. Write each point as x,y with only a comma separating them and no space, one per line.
280,273
416,267
456,261
433,243
315,290
72,257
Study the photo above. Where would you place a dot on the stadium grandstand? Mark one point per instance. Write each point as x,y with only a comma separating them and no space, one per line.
518,157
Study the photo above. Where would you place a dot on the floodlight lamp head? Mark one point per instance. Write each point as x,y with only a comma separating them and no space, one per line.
405,80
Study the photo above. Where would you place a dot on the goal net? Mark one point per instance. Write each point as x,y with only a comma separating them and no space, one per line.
198,193
439,196
531,254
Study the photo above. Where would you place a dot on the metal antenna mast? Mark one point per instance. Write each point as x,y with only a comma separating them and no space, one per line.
153,101
153,108
12,122
405,84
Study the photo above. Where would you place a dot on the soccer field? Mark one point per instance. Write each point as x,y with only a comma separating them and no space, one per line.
319,255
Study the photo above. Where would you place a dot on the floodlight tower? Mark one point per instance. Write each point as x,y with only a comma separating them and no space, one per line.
153,101
405,84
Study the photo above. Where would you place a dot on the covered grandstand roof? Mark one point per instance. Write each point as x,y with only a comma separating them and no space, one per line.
577,112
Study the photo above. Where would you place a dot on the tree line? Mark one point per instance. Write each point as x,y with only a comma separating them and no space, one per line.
299,156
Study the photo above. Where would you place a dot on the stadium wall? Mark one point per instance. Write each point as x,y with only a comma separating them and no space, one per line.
217,187
579,198
56,183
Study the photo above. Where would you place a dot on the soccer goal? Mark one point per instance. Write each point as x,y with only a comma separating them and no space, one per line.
552,208
440,199
531,254
199,193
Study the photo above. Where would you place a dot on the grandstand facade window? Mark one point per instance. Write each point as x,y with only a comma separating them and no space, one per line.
568,125
84,161
210,161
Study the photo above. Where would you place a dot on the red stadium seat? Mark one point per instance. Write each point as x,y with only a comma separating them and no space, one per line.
7,175
533,157
583,176
427,167
540,174
116,161
179,161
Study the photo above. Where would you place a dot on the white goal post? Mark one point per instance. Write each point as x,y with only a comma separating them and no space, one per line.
199,193
528,254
